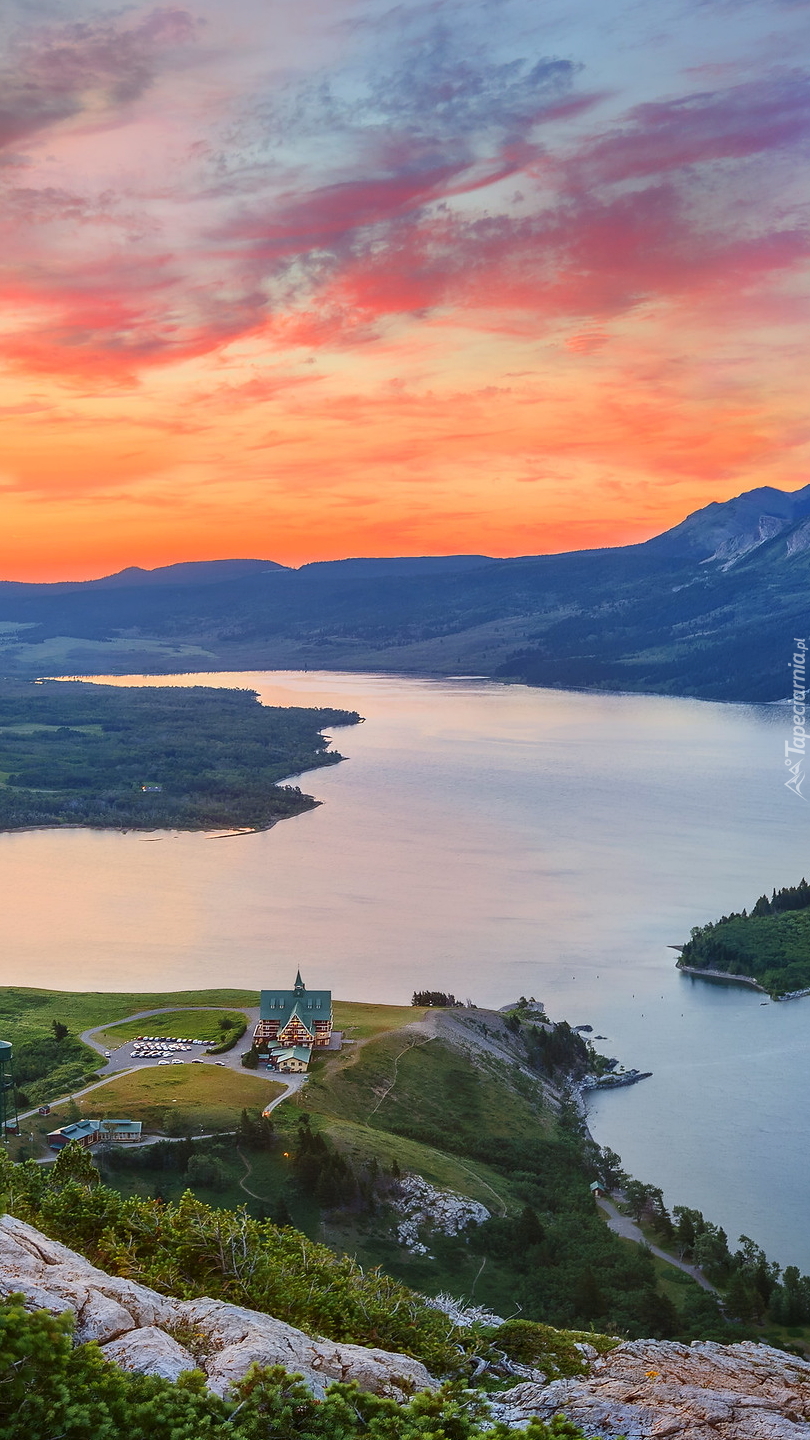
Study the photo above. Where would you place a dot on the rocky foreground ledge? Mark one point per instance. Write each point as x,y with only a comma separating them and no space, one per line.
649,1389
642,1390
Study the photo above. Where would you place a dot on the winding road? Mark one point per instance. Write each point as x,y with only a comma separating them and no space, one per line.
628,1230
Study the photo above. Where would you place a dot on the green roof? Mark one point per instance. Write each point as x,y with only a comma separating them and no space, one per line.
292,1052
310,1005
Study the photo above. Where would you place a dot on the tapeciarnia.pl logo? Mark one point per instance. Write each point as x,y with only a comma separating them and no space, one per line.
797,745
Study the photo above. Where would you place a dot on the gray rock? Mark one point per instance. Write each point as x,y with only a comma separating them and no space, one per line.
648,1389
150,1352
129,1321
240,1337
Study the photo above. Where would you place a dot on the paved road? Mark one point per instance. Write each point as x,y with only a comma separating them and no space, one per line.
629,1230
121,1058
293,1085
121,1062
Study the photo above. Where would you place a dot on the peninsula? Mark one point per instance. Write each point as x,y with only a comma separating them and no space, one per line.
147,758
768,948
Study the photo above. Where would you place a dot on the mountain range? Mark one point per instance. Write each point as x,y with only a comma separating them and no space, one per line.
709,608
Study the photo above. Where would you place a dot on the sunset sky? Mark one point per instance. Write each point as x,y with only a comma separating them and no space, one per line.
301,279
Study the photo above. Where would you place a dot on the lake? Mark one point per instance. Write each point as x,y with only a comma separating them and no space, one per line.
493,841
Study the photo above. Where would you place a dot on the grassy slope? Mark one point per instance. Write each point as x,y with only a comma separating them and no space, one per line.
398,1083
211,1096
437,1090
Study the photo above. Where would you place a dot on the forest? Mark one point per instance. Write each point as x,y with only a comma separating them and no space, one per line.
770,945
186,758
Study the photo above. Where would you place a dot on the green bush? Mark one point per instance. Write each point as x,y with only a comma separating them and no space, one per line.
49,1388
190,1249
552,1351
231,1038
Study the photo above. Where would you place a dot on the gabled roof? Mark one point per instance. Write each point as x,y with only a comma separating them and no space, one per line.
291,1052
76,1128
311,1005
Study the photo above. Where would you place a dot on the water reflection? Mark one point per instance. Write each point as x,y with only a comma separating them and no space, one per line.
490,840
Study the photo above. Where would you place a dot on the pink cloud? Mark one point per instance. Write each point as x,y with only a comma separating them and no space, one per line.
49,77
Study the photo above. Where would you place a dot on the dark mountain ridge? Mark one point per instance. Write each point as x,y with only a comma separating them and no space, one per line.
709,608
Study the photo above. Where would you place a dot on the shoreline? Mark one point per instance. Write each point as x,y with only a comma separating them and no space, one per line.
724,975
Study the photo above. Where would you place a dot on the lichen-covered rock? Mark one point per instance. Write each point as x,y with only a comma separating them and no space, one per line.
150,1352
54,1278
649,1389
130,1322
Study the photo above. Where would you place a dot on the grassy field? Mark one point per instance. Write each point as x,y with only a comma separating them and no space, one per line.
186,1024
34,1011
362,1021
192,1097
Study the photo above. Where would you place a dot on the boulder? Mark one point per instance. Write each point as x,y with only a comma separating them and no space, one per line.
130,1321
151,1352
105,1305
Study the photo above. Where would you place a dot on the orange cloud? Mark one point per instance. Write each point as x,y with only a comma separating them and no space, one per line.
388,285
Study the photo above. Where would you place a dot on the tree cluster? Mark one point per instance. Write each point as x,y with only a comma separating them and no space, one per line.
435,998
771,945
331,1179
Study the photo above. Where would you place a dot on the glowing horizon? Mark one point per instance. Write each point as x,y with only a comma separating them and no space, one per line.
355,279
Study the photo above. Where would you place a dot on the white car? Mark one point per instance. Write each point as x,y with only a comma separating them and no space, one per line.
164,1062
219,1062
178,1062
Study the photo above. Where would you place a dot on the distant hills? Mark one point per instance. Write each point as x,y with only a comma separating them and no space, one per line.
709,608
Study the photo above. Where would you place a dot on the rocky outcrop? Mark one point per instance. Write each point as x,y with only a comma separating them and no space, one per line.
642,1390
426,1210
649,1389
242,1337
143,1331
150,1351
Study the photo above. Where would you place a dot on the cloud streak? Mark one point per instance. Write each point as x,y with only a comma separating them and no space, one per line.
198,201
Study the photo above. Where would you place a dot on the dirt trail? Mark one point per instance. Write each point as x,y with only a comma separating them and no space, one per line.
265,1199
397,1059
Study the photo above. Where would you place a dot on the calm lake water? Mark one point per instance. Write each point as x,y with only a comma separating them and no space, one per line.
493,841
